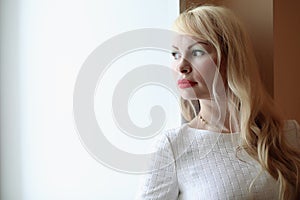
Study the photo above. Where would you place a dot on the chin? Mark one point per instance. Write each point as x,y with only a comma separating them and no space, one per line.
189,97
188,94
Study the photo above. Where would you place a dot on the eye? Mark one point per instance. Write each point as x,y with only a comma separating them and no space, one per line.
198,52
176,55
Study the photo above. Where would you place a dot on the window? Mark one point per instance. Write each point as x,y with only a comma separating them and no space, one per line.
43,47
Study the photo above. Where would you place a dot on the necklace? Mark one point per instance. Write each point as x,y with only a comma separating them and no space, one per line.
202,120
206,123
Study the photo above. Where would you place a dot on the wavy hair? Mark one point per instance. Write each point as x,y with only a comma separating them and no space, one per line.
252,108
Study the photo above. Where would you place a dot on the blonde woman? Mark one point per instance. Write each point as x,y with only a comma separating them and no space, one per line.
237,146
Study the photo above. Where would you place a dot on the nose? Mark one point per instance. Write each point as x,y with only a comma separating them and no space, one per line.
184,67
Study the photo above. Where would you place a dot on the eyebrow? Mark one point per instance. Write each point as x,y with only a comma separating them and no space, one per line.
192,44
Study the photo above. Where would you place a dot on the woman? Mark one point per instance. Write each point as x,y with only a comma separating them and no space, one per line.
237,146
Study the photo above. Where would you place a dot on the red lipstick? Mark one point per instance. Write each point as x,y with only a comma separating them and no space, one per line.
185,83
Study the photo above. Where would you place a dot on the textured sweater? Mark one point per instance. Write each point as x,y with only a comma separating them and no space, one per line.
192,164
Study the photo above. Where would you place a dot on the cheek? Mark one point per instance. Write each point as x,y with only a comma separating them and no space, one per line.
205,70
209,74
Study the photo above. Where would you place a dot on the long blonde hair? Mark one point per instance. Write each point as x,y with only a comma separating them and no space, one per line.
260,125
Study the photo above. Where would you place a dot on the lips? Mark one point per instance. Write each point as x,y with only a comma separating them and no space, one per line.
185,83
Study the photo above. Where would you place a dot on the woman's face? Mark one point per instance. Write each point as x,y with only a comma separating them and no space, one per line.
194,66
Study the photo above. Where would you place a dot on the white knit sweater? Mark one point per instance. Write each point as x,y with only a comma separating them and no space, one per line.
199,164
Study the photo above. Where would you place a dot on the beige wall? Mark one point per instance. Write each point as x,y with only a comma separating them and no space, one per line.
275,32
287,55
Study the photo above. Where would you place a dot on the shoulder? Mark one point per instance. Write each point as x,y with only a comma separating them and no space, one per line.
292,132
164,150
179,138
167,137
178,133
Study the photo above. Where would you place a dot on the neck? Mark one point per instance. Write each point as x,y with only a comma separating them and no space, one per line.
212,118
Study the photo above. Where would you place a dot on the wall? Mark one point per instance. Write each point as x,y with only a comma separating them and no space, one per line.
286,60
10,171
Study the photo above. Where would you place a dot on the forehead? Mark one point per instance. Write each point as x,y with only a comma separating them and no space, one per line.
182,40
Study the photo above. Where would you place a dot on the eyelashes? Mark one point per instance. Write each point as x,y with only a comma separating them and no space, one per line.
176,55
195,53
198,52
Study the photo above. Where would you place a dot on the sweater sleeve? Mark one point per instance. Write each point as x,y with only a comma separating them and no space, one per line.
160,183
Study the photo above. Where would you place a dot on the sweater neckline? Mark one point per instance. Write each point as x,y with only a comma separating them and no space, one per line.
188,127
